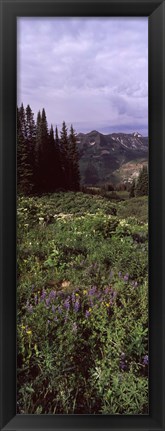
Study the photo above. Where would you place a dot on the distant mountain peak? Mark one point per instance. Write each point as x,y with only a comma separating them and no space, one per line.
137,135
101,156
93,132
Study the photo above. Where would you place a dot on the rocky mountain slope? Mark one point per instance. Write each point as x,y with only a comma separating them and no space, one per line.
103,157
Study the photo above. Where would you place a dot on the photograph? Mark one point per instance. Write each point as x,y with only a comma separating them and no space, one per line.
82,294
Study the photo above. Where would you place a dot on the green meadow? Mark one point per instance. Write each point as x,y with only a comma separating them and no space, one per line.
82,304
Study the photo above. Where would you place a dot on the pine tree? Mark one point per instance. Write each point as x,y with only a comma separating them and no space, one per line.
132,189
57,137
142,182
30,142
24,170
74,174
50,162
43,153
20,143
64,147
58,162
37,154
44,130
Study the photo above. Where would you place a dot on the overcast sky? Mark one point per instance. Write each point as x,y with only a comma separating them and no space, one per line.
92,72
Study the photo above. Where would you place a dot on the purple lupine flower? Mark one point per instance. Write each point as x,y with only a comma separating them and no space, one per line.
66,318
67,303
59,310
30,308
35,299
136,283
107,290
87,314
126,277
76,306
48,321
92,290
91,302
145,360
122,364
73,298
53,308
113,294
47,301
43,295
120,274
74,328
55,319
52,294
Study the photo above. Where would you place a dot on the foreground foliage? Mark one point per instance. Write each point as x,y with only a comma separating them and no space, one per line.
82,306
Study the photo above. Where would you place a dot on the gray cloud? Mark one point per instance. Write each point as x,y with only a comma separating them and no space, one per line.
85,70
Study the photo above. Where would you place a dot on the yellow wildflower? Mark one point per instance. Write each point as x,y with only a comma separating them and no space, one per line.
29,332
84,291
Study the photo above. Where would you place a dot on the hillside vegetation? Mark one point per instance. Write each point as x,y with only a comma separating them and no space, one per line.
115,158
82,301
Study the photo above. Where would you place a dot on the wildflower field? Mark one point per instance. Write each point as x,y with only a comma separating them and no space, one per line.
82,305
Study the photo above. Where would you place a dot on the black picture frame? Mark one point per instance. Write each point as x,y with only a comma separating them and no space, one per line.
155,10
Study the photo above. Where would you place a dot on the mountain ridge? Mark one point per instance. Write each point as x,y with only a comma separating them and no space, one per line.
102,156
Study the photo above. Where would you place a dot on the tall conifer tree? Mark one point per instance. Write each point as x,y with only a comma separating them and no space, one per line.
142,182
30,142
37,153
64,146
58,161
24,170
74,174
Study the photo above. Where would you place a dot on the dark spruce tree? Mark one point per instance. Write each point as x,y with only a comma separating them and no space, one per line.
45,153
64,151
74,173
24,168
51,169
37,155
57,162
142,182
41,153
132,189
53,163
30,138
57,140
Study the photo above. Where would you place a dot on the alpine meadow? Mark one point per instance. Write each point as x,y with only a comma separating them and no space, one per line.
82,216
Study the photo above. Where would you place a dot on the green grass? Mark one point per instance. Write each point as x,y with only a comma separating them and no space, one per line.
136,207
82,301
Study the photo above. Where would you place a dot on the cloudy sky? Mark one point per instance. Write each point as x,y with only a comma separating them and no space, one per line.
92,72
